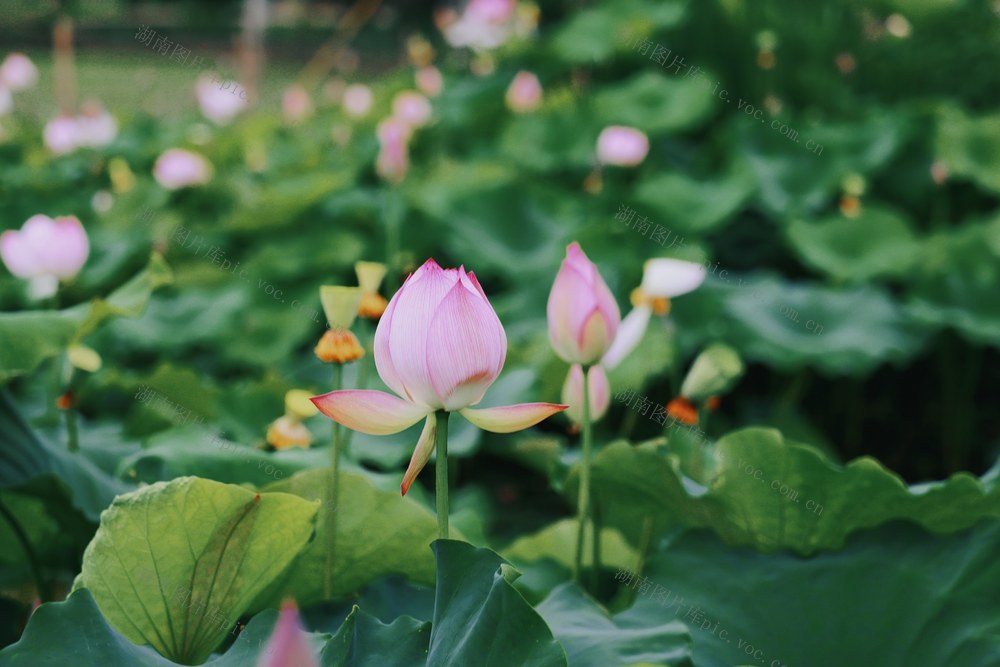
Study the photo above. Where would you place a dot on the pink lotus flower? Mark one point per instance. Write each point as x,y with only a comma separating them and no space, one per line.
60,134
219,102
429,80
583,315
412,108
357,100
295,103
288,646
622,146
45,251
17,72
393,156
600,392
524,93
439,345
179,168
95,127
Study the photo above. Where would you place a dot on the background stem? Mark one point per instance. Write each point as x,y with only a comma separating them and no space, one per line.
441,472
330,504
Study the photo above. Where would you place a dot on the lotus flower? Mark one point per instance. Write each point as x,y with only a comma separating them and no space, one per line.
393,158
600,392
524,93
179,168
662,279
484,24
429,80
412,108
622,146
95,126
288,646
217,104
17,72
45,251
439,346
357,100
60,134
583,315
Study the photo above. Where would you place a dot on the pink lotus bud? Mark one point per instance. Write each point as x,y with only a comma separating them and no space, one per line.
6,101
524,93
179,168
412,108
583,315
429,81
394,154
95,127
295,104
289,645
60,134
358,100
622,146
600,392
220,105
45,251
439,345
17,72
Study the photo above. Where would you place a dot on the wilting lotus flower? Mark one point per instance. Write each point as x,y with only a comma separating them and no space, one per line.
394,154
17,72
288,646
295,103
45,251
179,168
217,104
439,346
429,81
357,100
622,146
662,279
583,315
524,93
412,108
600,392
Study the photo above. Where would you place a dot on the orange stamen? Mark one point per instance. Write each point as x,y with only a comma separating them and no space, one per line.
372,305
339,346
683,410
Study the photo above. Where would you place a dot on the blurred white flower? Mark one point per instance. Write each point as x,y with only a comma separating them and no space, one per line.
357,100
95,126
220,105
17,72
180,168
60,134
6,101
101,201
484,24
622,146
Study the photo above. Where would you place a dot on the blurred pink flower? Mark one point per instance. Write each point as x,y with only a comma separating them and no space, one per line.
289,645
95,127
295,104
622,146
45,251
412,108
524,93
582,313
483,25
394,154
357,100
17,72
60,134
217,104
600,392
439,345
429,81
180,168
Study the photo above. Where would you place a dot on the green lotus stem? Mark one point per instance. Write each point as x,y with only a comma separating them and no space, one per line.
330,506
583,503
29,551
441,471
72,431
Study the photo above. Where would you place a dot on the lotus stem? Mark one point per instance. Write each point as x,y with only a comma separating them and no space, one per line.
441,471
330,506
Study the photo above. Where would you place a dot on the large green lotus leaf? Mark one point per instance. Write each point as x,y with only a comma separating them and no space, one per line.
595,34
553,139
174,564
878,242
791,325
70,484
377,533
593,638
770,494
558,543
919,599
59,631
480,618
685,205
27,339
970,147
279,203
655,102
364,641
956,284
